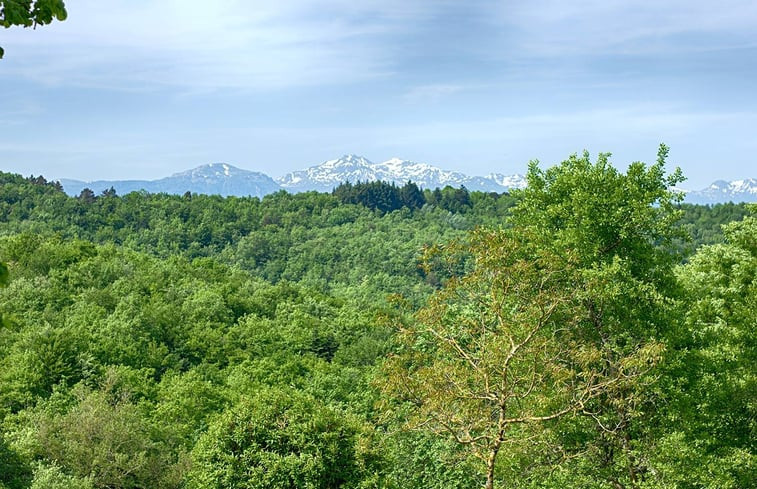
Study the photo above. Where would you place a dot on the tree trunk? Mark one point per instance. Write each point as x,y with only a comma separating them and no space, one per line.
490,468
492,459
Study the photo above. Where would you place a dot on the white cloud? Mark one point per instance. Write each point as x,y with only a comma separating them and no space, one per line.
556,27
213,45
235,44
432,93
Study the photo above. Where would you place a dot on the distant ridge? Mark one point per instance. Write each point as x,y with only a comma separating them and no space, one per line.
722,191
224,179
227,180
212,179
353,168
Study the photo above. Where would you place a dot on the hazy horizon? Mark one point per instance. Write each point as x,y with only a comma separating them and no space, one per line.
276,177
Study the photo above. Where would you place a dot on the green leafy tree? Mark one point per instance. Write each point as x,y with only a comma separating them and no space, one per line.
622,228
106,438
3,274
563,313
52,477
411,196
30,13
87,196
502,350
14,470
712,384
279,440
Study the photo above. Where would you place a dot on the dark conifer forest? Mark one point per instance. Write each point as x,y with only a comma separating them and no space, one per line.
589,331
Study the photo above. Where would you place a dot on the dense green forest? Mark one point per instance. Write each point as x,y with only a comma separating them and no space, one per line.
587,332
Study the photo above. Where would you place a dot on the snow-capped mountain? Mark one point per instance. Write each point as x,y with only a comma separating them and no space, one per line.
329,174
721,191
508,181
423,174
224,179
352,168
212,179
221,179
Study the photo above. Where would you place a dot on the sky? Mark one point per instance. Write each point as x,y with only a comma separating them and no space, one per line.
142,89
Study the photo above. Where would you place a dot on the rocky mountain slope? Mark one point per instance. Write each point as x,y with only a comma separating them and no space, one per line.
722,191
353,168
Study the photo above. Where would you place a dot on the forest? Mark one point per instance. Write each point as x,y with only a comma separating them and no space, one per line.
589,331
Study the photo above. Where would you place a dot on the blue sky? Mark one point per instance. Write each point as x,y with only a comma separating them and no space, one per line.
143,89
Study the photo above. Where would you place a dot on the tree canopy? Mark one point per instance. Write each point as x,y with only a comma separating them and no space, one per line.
556,317
569,332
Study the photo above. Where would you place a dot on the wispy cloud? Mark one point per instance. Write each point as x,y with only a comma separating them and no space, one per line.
236,44
18,113
225,44
277,84
432,93
600,27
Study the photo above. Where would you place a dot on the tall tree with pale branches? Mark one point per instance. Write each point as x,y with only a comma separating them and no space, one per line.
541,326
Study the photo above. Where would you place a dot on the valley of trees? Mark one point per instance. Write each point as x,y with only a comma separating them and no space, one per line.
587,332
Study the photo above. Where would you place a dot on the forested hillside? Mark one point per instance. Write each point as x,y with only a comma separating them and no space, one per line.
569,335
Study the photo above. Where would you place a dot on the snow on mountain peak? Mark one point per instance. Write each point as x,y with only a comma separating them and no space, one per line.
345,162
509,181
354,168
329,174
400,165
747,185
225,179
210,171
744,190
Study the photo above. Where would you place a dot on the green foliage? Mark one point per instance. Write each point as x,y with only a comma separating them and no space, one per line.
104,436
497,351
704,223
423,460
52,477
715,366
14,470
280,439
563,314
30,13
381,196
146,338
602,212
3,274
450,199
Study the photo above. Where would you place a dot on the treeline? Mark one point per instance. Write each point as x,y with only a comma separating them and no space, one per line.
312,237
205,225
388,197
204,342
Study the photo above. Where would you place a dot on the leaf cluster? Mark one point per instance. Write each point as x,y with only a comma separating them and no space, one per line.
30,13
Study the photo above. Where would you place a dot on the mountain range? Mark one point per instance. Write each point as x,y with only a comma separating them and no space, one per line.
722,191
352,168
226,180
215,178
